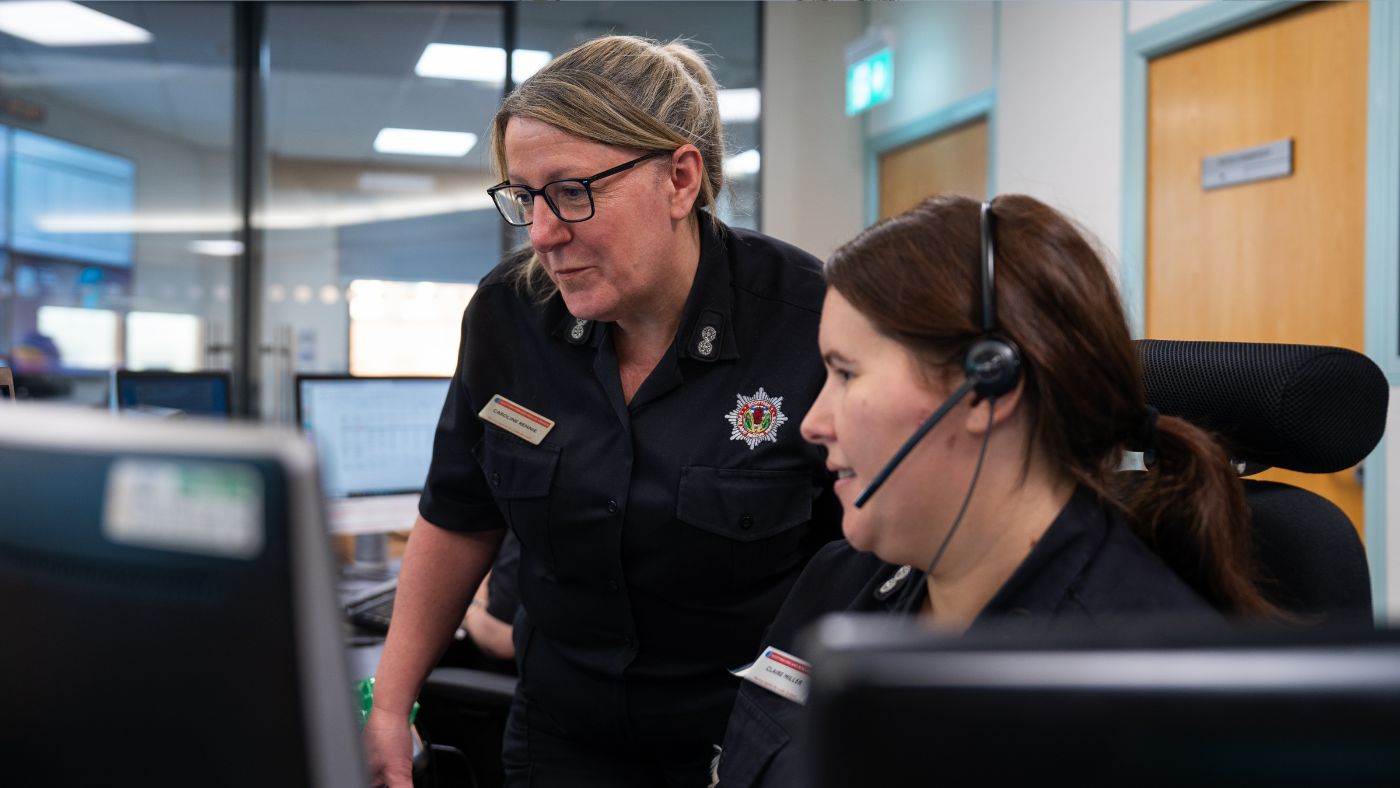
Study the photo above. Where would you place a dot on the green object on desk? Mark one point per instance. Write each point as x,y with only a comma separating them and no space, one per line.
366,691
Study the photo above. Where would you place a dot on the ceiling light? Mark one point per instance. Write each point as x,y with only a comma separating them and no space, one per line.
59,23
479,64
739,105
423,142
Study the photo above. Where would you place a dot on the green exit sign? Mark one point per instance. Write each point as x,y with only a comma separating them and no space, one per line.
869,81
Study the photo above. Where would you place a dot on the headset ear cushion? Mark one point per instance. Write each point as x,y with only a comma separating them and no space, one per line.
993,365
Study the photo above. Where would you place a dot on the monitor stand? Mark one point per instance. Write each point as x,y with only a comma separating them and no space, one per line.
371,560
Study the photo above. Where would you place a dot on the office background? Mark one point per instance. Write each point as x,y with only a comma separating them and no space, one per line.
264,234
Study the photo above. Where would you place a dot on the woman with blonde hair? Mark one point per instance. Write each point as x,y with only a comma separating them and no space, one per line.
626,402
981,391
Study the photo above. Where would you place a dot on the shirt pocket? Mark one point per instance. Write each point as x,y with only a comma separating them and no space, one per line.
758,516
521,478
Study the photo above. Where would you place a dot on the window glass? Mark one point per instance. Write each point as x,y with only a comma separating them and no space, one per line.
164,340
405,328
117,156
358,193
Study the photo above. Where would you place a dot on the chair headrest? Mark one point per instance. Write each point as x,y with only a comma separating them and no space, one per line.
1302,407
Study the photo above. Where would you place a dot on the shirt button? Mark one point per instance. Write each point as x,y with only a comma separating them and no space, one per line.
495,480
746,522
628,642
612,585
612,507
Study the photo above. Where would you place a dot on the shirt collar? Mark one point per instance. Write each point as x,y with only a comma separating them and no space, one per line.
706,329
1040,583
1037,586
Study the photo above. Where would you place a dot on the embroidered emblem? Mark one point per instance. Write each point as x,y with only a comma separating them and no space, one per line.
707,341
580,325
893,582
756,419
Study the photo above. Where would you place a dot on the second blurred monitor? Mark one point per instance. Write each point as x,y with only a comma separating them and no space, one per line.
374,437
172,393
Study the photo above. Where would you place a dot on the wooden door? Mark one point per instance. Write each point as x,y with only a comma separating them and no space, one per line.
950,162
1273,261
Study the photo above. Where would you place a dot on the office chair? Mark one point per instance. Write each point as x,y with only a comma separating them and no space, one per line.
1300,407
462,721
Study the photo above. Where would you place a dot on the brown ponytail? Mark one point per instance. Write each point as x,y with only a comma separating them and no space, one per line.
916,278
1189,507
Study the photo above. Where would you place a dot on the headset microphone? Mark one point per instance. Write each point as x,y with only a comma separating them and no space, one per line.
992,366
929,423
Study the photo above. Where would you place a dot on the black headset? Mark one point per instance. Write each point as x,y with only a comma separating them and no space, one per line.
992,364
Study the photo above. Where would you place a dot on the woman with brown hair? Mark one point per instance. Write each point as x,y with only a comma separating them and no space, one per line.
985,349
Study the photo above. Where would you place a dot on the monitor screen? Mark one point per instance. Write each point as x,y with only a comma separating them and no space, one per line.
374,436
167,597
70,201
1092,707
174,393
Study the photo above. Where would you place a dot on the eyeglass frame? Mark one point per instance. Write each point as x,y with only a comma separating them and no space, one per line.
587,184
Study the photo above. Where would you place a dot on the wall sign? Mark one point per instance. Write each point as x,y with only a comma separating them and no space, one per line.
1246,165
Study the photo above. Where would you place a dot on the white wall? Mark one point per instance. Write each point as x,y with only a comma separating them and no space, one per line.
1059,129
1146,13
812,189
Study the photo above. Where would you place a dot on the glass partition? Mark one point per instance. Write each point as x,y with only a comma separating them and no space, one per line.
115,146
377,220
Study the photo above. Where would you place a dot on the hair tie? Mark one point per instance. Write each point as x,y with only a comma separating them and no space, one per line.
1143,436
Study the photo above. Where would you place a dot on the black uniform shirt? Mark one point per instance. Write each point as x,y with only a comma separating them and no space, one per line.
658,537
1088,567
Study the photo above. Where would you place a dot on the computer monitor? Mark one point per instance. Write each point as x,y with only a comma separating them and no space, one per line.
167,607
894,706
173,393
374,437
7,385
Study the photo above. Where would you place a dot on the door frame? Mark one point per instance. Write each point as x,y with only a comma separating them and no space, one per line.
1382,206
978,106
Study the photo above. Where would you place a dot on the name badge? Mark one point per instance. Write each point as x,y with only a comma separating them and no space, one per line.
780,672
516,419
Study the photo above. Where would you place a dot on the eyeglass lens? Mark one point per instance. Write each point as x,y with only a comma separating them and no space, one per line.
569,198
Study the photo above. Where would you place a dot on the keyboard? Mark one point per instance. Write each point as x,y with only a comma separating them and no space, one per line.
370,609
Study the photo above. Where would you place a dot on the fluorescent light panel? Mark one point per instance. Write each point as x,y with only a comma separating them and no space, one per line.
59,23
424,142
479,64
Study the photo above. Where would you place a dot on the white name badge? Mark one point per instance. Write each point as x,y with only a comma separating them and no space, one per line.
516,419
780,672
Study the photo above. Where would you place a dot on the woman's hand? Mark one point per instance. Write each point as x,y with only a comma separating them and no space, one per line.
388,750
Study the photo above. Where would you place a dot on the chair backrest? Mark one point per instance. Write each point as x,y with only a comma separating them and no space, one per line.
1301,407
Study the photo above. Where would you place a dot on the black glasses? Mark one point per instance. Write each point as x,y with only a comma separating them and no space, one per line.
571,199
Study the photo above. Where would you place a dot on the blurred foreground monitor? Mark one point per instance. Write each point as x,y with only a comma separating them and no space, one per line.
1148,707
169,614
